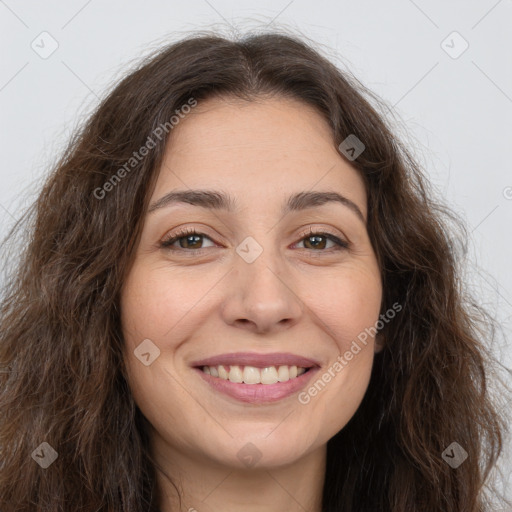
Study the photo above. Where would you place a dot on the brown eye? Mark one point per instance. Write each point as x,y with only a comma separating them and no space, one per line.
318,242
315,242
190,241
187,240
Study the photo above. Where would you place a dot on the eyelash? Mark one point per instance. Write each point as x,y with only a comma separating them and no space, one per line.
167,242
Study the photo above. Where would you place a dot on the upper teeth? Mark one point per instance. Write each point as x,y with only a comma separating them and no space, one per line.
253,375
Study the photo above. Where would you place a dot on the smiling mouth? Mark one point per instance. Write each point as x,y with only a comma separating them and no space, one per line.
253,375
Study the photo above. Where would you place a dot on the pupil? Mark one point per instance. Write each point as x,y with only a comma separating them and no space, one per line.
317,240
190,238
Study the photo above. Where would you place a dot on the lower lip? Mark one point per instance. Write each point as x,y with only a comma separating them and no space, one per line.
259,393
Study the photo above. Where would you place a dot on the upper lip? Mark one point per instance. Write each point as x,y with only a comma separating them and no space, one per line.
257,360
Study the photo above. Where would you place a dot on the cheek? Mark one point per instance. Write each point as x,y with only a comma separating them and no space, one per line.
346,302
346,307
156,301
162,305
154,306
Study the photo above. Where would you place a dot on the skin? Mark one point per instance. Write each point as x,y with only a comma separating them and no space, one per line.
295,297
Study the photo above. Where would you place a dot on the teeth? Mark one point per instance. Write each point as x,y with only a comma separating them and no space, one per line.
223,373
253,375
283,374
269,375
235,374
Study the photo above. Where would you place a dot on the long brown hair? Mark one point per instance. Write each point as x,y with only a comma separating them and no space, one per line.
63,379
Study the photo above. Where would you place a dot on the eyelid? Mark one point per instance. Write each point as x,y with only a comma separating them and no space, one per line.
342,242
169,239
319,230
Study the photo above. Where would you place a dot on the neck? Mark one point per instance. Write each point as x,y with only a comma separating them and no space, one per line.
208,486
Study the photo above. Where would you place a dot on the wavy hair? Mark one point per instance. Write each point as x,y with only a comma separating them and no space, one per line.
64,380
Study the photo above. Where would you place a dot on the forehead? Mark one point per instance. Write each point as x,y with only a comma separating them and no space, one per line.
258,150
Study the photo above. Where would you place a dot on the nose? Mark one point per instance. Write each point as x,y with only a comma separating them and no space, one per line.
260,298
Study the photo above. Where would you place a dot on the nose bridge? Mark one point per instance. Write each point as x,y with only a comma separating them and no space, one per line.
259,294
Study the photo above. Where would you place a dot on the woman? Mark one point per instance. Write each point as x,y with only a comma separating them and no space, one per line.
239,294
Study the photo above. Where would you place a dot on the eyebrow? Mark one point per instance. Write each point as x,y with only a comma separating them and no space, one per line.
218,200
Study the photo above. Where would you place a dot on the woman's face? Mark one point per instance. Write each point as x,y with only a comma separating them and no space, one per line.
267,274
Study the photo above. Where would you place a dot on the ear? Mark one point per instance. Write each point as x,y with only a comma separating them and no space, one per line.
380,343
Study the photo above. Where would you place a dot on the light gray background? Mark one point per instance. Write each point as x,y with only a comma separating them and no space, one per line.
455,113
